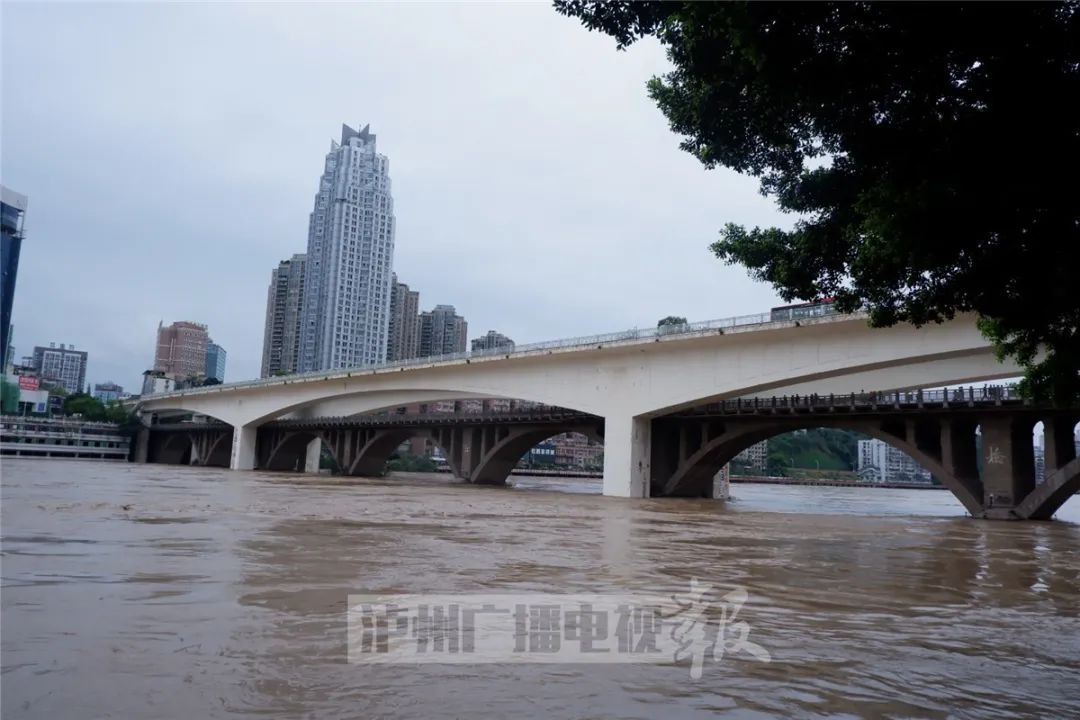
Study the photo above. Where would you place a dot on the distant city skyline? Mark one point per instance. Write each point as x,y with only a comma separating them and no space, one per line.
491,217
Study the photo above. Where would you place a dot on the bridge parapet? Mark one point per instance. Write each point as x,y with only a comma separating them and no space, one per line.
742,323
438,419
988,396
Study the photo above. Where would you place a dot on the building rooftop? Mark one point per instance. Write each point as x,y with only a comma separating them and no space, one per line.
14,199
347,132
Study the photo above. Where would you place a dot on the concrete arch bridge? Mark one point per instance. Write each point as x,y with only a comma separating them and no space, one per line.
637,388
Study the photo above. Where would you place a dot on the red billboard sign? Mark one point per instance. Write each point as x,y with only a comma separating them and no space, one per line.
29,382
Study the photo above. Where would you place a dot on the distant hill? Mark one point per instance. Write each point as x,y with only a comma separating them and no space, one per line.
815,449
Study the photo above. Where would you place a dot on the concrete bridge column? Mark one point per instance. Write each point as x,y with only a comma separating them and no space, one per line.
243,449
1008,464
1058,446
1061,475
142,445
627,461
312,456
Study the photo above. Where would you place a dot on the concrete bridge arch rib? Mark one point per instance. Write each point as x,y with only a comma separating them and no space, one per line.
688,452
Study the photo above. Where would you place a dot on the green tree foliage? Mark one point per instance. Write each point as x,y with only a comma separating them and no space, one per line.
9,395
408,462
671,320
54,389
92,409
927,151
814,449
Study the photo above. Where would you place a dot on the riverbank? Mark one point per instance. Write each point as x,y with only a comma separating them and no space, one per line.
831,483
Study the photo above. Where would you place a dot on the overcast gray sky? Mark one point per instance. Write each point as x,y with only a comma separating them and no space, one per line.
171,153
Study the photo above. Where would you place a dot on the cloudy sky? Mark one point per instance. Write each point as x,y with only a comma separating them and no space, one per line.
171,153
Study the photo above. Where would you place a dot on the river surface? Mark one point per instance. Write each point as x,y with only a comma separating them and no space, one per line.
151,591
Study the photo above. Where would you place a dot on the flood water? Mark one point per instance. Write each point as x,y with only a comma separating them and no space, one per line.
151,591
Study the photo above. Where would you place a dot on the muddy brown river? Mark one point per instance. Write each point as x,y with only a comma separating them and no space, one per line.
150,591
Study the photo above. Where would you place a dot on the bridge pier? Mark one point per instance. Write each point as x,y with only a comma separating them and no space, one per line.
1008,462
627,456
243,447
142,445
313,455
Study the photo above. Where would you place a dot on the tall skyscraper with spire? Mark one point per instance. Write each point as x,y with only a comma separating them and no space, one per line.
347,278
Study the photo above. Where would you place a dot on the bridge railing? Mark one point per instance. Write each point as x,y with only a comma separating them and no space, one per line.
987,394
695,328
431,418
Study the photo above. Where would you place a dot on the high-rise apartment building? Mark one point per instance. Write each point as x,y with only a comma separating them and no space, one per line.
442,332
181,349
62,365
12,210
215,361
492,341
403,336
346,308
284,313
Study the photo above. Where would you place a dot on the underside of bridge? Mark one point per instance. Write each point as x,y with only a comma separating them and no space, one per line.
190,446
476,453
980,448
994,481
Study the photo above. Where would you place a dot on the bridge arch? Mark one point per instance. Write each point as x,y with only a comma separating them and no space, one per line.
172,448
904,375
1061,470
287,450
686,456
502,448
191,444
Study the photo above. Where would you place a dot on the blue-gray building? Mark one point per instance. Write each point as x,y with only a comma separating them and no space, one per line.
215,362
108,392
542,454
12,210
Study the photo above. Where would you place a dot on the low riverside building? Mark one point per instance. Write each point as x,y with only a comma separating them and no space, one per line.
49,437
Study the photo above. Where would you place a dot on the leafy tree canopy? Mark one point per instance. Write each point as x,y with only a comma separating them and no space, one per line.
671,320
927,151
92,409
55,389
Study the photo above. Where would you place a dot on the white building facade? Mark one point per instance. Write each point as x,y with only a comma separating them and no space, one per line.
755,457
347,284
881,462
